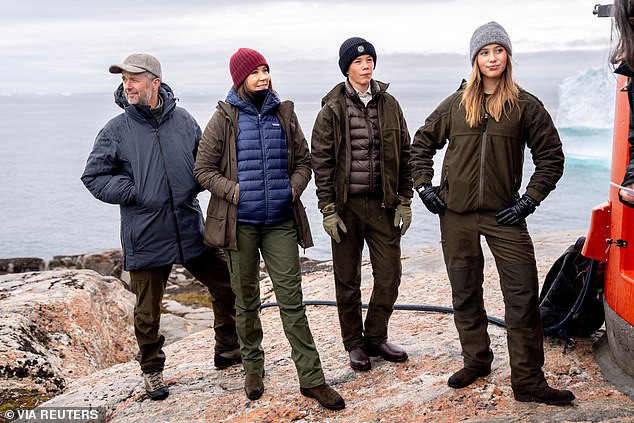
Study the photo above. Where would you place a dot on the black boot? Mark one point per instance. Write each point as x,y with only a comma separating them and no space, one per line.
465,377
547,395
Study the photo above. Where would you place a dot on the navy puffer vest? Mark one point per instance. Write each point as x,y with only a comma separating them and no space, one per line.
265,187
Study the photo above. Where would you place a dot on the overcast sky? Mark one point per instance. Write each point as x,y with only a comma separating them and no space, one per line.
67,45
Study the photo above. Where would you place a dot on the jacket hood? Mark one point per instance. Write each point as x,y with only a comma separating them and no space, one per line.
165,91
270,102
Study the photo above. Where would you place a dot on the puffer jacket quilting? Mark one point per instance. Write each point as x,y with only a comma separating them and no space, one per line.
365,145
217,171
265,190
331,151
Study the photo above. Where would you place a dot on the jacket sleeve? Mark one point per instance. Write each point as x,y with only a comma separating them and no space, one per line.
105,175
429,138
543,141
323,156
405,170
208,169
198,135
301,171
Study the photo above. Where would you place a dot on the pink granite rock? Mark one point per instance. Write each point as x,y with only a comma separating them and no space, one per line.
412,391
57,326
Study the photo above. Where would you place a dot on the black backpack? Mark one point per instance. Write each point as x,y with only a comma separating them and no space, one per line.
571,299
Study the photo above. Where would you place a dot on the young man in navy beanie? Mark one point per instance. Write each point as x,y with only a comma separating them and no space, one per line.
364,191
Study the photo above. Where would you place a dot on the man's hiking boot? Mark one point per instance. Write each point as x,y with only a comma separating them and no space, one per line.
155,386
227,359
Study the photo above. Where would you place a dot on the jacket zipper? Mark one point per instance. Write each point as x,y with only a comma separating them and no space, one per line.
379,110
172,203
368,123
482,160
264,168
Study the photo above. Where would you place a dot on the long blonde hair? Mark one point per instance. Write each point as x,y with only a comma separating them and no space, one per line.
503,100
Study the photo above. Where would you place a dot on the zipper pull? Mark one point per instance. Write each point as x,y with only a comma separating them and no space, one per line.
486,120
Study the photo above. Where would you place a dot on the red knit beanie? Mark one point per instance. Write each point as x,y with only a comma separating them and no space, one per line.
242,63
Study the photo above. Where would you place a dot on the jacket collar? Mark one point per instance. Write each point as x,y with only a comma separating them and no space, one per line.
339,91
230,111
270,102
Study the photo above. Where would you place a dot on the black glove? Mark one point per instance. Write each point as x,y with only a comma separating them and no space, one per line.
517,212
431,199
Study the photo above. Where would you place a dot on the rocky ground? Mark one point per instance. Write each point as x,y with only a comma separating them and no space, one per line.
415,390
57,326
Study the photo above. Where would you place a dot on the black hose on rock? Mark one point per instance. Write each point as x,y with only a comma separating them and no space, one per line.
410,307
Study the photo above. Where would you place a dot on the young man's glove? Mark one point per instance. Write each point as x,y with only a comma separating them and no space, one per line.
431,199
403,212
517,212
332,222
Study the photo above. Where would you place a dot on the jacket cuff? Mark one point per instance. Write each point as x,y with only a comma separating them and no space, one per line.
535,195
624,202
404,201
329,209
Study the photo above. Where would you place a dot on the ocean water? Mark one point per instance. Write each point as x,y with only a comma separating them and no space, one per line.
45,209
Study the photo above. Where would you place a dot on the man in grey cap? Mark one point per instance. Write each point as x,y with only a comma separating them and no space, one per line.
143,160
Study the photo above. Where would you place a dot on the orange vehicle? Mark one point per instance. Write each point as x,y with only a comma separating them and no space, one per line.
610,239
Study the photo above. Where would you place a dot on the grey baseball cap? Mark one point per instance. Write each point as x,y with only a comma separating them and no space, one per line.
137,63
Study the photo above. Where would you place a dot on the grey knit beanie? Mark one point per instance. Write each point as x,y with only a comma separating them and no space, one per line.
489,33
353,48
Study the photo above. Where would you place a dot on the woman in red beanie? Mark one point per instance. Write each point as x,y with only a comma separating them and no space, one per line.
254,159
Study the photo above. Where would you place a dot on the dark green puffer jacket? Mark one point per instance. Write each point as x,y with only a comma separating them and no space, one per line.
332,156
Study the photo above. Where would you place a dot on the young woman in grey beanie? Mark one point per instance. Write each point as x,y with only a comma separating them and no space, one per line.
488,123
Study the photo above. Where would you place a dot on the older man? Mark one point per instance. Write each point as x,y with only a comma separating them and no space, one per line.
143,160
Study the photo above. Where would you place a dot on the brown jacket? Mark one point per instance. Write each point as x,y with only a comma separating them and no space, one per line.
483,166
331,151
216,170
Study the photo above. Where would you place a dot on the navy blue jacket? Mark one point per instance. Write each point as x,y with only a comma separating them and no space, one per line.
146,167
265,187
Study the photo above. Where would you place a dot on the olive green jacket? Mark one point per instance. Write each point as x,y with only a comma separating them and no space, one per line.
331,153
483,166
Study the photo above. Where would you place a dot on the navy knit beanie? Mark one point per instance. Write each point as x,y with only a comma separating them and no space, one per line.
353,48
489,33
242,63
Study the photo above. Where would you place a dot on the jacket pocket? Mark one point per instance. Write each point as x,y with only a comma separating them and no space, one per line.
302,225
216,223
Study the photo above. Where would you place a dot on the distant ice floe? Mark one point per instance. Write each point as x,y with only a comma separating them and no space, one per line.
587,100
